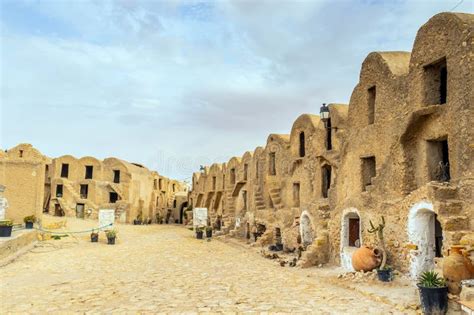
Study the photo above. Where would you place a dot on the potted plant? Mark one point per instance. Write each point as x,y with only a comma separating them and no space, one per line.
6,228
94,236
111,235
199,232
384,272
433,293
29,220
208,231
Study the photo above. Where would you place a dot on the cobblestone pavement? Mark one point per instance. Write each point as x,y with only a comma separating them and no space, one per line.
164,269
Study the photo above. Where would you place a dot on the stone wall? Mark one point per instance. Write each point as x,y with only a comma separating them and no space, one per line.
22,172
402,149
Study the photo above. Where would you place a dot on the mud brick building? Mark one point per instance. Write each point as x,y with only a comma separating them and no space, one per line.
403,148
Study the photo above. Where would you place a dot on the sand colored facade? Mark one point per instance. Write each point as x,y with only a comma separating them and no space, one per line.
402,148
22,173
80,187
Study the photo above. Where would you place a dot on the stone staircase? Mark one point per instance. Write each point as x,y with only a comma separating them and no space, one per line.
453,213
258,197
230,202
77,198
275,195
117,189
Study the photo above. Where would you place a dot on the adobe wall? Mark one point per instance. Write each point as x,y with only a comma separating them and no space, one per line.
22,172
403,148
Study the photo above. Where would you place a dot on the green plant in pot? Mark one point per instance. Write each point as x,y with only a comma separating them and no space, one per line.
384,272
6,227
29,221
199,232
138,220
111,236
208,231
94,236
433,293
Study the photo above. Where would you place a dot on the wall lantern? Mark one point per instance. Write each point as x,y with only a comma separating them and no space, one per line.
324,113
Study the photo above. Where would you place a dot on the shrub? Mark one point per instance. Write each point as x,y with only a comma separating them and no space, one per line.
430,279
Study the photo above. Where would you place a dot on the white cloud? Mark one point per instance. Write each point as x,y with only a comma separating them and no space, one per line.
146,79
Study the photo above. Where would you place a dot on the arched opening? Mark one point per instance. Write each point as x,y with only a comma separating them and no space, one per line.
426,235
181,212
328,141
306,230
302,145
351,237
326,180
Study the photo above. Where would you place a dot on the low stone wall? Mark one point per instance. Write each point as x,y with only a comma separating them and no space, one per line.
20,242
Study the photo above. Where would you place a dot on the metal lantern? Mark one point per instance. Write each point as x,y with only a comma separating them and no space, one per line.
324,113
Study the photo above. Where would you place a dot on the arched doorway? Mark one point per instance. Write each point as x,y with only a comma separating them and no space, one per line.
425,232
306,229
351,236
181,212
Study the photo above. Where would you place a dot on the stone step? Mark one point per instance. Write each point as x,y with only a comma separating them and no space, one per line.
456,223
275,191
450,207
441,192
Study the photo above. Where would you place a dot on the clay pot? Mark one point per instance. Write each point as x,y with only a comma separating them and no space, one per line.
366,258
456,267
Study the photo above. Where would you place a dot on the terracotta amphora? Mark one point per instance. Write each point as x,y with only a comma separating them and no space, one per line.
456,267
366,258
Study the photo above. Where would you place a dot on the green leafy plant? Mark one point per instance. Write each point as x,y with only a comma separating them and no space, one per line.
111,233
6,223
208,228
29,219
200,229
386,267
431,279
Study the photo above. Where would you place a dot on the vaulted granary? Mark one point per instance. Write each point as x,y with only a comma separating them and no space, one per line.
402,149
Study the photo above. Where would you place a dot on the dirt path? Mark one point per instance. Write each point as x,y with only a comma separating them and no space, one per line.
164,269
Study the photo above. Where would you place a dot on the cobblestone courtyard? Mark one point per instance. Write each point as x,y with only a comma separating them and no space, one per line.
164,269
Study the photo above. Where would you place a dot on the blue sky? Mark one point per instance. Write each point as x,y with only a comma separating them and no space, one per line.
175,84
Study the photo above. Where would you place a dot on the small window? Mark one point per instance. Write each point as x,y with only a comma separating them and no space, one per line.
257,168
160,184
296,194
84,191
174,187
371,94
117,176
302,145
354,232
223,181
21,153
113,197
245,196
246,171
328,141
155,184
436,83
232,175
59,191
368,171
65,170
326,180
89,171
272,164
214,182
174,203
438,160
